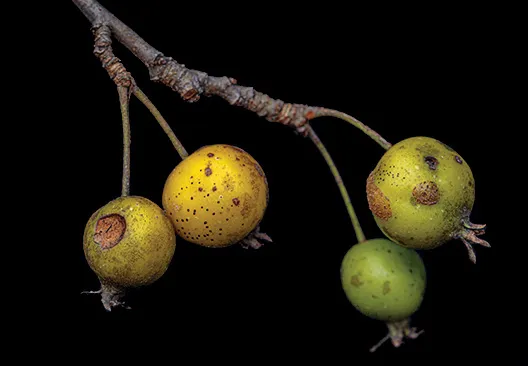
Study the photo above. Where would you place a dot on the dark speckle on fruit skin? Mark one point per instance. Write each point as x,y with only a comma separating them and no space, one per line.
458,159
208,171
431,161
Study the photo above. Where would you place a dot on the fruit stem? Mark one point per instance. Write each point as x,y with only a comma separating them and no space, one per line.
353,217
325,112
378,345
123,102
162,122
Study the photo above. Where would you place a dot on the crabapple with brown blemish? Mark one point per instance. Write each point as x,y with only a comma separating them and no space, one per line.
421,194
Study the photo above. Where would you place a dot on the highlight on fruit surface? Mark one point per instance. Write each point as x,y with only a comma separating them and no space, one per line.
217,197
386,282
128,243
421,194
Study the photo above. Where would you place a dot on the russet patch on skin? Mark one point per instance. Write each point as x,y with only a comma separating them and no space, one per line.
379,204
426,193
109,230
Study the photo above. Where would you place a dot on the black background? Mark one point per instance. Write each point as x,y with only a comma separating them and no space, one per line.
403,72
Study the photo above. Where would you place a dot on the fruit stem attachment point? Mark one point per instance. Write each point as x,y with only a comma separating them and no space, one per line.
124,102
325,112
110,296
397,332
468,235
162,122
254,238
353,217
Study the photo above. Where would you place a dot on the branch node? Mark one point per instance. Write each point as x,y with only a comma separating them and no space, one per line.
103,51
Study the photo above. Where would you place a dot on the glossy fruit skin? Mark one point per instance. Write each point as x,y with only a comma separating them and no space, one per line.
216,196
145,250
420,192
383,280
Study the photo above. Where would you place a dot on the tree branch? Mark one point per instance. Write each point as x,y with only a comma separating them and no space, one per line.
123,79
191,84
97,14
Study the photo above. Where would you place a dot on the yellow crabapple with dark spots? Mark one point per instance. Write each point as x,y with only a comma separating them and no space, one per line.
217,196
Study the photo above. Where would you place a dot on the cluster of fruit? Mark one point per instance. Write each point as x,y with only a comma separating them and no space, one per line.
215,197
421,194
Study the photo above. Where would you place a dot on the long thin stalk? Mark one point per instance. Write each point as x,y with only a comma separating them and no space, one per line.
324,112
353,217
162,122
123,102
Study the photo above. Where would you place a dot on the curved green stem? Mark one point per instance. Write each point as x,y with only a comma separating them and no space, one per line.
355,222
325,112
123,102
162,122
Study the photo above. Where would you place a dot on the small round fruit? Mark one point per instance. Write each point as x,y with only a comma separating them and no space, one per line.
129,242
216,196
383,280
386,282
421,194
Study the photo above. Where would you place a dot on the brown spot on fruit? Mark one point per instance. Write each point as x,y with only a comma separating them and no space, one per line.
426,193
431,161
378,203
208,171
210,155
214,189
458,159
386,287
109,230
355,281
200,189
236,201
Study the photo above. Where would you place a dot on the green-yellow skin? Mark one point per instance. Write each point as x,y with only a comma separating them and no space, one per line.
216,196
420,191
383,280
143,254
